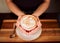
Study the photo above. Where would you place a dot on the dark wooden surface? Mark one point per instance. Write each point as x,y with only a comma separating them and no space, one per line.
46,23
50,32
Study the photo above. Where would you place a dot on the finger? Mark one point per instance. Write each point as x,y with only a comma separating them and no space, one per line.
22,30
36,29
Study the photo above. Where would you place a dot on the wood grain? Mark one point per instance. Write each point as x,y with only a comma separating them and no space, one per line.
46,23
48,35
50,32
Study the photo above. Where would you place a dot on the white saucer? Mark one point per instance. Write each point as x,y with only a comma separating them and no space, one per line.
28,37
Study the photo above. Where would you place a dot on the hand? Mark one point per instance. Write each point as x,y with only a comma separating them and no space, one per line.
18,20
37,28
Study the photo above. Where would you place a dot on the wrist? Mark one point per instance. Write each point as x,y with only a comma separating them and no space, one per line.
36,17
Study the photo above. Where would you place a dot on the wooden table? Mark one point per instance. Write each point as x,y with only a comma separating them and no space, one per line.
50,33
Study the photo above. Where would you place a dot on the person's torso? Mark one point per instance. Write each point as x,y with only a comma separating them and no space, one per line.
28,5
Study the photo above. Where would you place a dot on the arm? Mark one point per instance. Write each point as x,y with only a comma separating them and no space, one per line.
42,8
14,8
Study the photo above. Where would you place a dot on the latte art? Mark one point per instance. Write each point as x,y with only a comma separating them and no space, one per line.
28,22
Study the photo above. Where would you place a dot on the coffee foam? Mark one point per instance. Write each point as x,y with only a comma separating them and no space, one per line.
28,22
